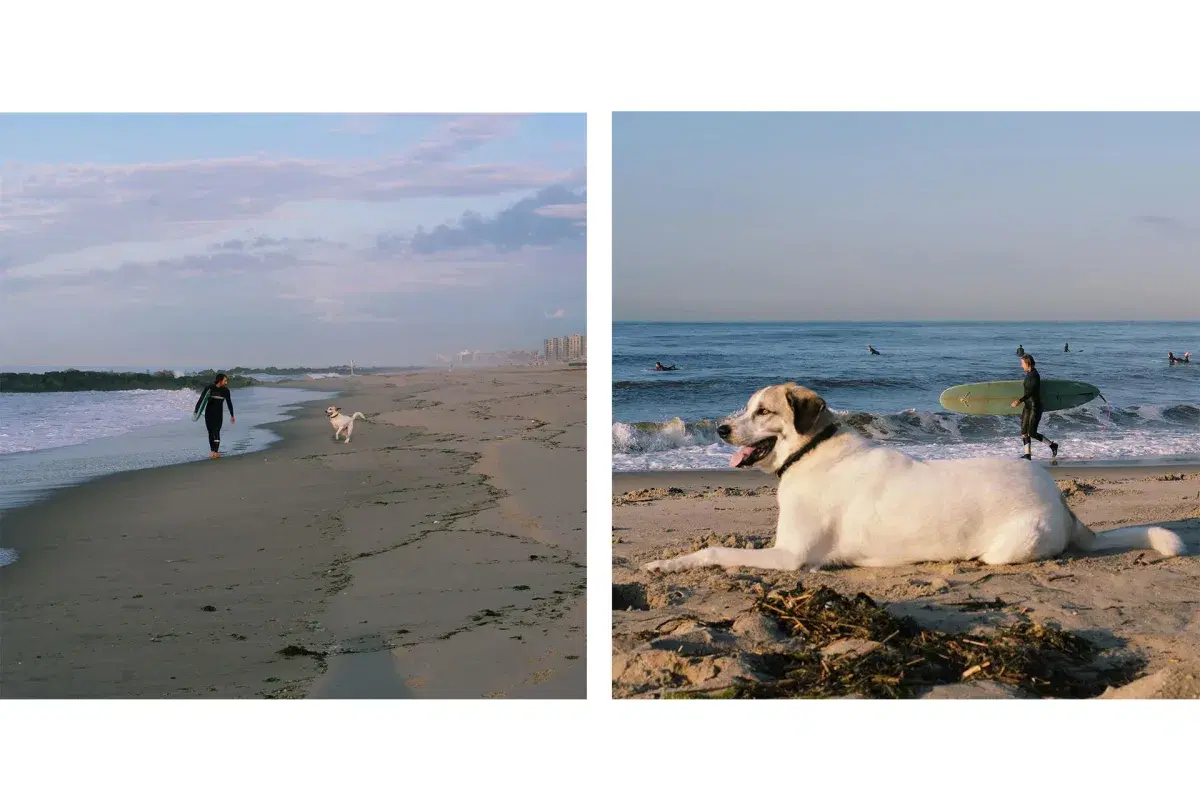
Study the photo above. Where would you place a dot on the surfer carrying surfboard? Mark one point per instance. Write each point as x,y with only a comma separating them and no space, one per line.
210,405
1031,415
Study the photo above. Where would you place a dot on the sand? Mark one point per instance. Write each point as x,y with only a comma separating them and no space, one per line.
698,629
441,553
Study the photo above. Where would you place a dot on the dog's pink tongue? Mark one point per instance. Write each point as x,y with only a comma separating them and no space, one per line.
741,455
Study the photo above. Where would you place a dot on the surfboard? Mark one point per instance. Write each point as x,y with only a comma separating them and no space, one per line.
995,397
203,404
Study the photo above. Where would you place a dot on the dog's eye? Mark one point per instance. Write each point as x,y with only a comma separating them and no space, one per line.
761,411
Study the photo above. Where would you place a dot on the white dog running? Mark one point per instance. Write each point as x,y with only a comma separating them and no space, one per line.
844,500
341,423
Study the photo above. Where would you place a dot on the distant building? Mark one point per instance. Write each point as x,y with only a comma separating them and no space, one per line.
577,347
566,348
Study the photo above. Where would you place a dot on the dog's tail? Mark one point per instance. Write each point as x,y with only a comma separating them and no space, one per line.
359,415
1138,537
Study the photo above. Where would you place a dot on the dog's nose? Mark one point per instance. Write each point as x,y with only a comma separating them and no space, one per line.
723,431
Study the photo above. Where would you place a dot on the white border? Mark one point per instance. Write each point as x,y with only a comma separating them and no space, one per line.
599,405
617,55
596,57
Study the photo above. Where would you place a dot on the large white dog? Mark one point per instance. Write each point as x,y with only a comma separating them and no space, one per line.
845,500
341,423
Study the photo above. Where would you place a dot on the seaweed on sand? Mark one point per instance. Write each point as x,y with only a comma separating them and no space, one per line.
897,658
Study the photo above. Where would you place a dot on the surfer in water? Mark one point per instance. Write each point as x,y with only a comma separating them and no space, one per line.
1067,347
658,367
874,352
1020,349
1173,359
1031,415
214,414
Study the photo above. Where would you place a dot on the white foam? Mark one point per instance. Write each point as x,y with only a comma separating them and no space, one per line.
43,420
7,556
668,435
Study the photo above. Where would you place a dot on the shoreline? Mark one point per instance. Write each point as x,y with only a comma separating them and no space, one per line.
288,413
308,568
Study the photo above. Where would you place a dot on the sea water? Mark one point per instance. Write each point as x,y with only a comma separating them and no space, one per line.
53,439
667,420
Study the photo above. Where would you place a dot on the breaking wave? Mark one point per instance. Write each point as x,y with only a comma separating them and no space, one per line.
1095,432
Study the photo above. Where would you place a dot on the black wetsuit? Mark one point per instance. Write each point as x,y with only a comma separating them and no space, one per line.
214,414
1031,415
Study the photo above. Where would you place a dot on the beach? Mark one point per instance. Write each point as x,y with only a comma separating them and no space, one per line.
441,553
699,631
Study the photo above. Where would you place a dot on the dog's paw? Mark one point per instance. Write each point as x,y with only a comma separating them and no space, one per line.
656,566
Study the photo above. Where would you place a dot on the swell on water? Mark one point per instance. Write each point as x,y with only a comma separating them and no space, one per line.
673,381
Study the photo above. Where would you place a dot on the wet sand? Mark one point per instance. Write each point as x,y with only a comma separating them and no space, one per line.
1127,603
440,553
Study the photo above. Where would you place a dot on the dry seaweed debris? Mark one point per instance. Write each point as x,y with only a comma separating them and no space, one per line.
1072,486
647,495
1040,660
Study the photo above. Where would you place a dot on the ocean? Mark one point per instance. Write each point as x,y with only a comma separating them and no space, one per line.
54,439
667,420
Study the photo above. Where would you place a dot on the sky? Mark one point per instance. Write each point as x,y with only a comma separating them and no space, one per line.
844,216
287,240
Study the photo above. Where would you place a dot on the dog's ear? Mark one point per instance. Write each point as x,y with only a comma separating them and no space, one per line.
806,408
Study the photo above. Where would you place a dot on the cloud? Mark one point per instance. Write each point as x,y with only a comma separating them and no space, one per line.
263,242
327,280
521,225
558,314
56,209
1172,226
564,211
459,136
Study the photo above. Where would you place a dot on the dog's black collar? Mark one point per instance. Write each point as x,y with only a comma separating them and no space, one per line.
823,436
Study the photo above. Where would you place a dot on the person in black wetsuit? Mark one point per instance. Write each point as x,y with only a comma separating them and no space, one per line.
1020,349
214,411
874,352
1031,415
658,367
1067,347
1173,359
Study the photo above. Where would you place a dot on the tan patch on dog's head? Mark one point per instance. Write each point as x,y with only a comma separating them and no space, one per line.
777,422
